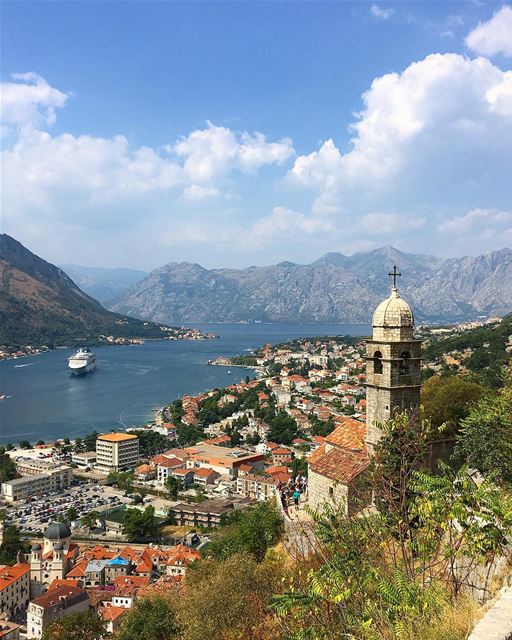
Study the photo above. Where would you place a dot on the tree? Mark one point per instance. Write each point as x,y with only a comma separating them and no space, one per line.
25,444
251,531
151,618
11,545
90,441
89,519
173,486
7,467
485,438
121,479
40,443
86,625
140,525
447,400
71,514
283,428
228,599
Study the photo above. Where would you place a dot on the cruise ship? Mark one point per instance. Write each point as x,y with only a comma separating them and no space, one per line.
84,361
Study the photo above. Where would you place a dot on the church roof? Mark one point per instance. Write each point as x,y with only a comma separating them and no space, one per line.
393,312
57,531
341,465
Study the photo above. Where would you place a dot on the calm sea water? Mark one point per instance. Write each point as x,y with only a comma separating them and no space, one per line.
44,401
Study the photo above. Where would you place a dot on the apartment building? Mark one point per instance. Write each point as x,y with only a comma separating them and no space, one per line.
57,479
116,452
84,459
223,460
53,605
14,589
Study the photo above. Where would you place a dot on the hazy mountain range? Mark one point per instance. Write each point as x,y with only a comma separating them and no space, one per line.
335,288
103,284
40,304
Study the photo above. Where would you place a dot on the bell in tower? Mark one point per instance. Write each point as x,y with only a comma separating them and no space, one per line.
393,359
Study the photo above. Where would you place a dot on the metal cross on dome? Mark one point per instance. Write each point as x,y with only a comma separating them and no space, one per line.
394,274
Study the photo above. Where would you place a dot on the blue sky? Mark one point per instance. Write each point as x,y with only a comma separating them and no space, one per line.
237,133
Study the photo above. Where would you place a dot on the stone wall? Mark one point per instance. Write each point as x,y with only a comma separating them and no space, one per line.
323,490
497,622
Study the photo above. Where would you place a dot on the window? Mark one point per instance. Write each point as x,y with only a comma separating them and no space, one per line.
331,492
377,362
405,364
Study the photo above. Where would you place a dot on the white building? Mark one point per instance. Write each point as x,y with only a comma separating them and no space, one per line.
53,605
57,479
84,459
14,589
116,452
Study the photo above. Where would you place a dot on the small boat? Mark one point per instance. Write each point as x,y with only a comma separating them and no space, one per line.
229,373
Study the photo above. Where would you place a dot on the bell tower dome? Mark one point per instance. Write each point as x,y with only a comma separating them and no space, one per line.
393,364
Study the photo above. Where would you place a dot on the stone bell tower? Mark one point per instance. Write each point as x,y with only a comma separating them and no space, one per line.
393,359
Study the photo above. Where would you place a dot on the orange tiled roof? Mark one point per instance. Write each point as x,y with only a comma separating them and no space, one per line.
58,582
117,437
110,614
341,465
349,434
78,570
9,574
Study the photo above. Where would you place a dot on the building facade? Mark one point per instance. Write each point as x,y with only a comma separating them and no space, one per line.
117,452
57,479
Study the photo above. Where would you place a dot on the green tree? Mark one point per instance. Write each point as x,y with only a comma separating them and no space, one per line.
85,625
89,519
173,486
228,599
447,400
251,531
140,525
25,444
283,428
40,442
89,441
151,618
485,439
7,467
11,545
71,514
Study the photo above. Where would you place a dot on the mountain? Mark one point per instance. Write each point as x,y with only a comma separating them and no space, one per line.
40,304
335,288
100,283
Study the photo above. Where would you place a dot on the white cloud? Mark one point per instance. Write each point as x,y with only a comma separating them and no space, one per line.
387,223
476,218
30,101
197,192
380,13
212,152
286,222
443,122
67,176
494,36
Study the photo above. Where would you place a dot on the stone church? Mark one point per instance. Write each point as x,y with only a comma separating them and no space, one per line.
393,382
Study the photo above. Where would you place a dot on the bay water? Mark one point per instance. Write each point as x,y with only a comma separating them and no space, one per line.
44,401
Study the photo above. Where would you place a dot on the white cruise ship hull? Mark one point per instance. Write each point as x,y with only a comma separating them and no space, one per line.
84,361
79,370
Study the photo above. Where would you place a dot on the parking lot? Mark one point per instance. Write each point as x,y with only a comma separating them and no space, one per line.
36,513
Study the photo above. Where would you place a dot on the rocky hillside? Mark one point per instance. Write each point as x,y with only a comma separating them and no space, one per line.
335,288
40,304
100,283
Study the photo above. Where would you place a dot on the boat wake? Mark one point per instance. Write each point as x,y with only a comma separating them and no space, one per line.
29,364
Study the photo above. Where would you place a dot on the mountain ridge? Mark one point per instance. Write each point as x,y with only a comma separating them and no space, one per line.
334,288
41,305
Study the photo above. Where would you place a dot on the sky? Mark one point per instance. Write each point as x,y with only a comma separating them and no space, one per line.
246,133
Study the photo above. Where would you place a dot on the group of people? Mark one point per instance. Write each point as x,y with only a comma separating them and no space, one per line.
294,488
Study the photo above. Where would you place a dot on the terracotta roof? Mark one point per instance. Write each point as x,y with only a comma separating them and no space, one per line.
54,597
341,465
9,574
182,555
204,473
281,452
169,463
59,582
78,570
111,613
117,437
144,468
277,469
129,585
349,434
